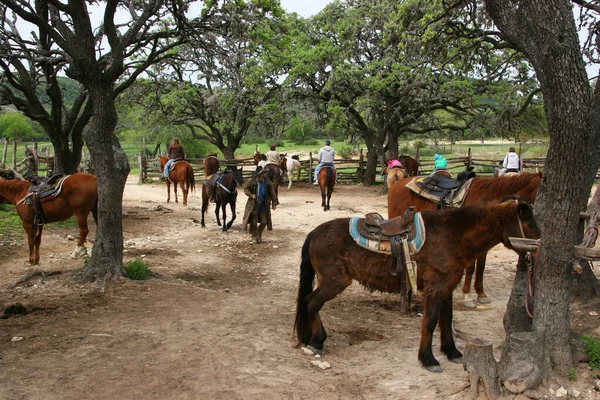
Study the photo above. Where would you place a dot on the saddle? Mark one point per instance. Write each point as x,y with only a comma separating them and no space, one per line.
172,166
398,231
43,189
441,189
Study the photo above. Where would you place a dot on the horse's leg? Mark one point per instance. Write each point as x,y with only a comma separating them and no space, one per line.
232,206
329,191
168,191
83,232
38,242
481,296
290,175
448,346
323,196
217,207
184,191
431,313
224,214
315,301
175,190
467,286
204,204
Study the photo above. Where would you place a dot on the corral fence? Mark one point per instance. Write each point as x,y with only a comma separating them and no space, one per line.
348,169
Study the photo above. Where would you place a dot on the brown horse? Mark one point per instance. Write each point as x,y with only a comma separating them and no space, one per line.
182,173
211,164
225,193
411,165
453,238
326,179
78,196
393,174
482,190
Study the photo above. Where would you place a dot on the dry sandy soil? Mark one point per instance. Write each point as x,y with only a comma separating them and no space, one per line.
215,321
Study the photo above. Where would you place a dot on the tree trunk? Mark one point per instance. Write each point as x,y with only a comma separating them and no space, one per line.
112,167
516,318
228,153
545,31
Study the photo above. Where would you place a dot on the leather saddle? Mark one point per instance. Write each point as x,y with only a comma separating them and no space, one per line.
374,226
442,187
40,189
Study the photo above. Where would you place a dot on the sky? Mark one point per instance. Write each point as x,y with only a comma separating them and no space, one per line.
304,8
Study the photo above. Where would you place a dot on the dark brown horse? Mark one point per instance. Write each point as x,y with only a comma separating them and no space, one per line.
482,190
211,164
182,173
326,179
78,196
454,237
225,193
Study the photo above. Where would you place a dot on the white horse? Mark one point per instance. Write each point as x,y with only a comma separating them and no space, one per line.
293,164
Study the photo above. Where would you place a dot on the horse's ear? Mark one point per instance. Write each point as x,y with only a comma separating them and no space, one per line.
525,210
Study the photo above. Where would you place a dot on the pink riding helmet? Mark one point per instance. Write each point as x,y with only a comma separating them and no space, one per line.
394,163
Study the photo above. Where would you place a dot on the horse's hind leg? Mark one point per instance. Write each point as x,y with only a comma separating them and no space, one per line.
329,197
315,302
184,190
175,190
467,286
168,191
481,296
204,204
217,207
323,199
83,232
448,346
224,214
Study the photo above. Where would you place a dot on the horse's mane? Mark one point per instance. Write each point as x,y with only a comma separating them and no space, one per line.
504,184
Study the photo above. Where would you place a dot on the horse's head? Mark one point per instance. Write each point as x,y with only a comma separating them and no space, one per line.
523,223
256,157
283,162
163,161
238,176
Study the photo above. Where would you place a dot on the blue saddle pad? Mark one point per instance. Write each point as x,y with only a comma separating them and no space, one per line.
383,246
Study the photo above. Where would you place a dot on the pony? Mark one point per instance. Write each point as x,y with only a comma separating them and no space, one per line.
225,193
326,179
78,196
293,164
211,164
182,173
482,190
453,238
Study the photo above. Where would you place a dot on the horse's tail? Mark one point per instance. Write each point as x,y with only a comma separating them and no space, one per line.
95,212
330,179
307,277
191,179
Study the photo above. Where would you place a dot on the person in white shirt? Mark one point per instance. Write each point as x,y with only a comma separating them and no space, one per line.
325,157
511,161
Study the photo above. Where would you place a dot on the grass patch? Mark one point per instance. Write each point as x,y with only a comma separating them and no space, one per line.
137,270
10,223
67,223
593,349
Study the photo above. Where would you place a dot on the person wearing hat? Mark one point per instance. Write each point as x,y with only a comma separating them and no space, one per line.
261,200
439,163
325,157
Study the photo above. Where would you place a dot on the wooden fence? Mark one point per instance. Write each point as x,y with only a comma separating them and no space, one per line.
348,169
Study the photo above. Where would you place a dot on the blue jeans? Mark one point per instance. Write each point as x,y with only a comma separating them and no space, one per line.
321,165
166,170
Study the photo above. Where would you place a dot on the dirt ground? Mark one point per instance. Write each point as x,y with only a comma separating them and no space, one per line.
215,321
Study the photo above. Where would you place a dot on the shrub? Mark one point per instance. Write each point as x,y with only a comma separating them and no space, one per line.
572,374
137,270
346,151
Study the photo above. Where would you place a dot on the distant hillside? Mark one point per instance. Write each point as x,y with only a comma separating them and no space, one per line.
70,89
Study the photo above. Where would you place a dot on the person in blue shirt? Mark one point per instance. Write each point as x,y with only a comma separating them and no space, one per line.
261,200
439,163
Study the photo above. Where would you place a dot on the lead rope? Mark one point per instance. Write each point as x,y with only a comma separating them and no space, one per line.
529,291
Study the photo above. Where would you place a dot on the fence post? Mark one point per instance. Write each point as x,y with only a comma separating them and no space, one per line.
141,164
3,164
36,158
14,160
470,157
310,173
360,167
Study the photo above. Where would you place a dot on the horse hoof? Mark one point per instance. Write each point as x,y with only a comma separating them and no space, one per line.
315,350
484,300
434,368
469,304
457,360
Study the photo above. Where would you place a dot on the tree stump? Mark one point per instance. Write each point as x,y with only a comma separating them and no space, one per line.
520,363
479,361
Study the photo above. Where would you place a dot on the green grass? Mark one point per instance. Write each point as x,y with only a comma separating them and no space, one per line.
593,349
10,222
137,270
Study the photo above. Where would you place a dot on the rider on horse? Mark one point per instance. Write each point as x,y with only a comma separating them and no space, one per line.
175,152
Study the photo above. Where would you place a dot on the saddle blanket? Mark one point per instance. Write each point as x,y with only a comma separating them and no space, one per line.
383,246
456,198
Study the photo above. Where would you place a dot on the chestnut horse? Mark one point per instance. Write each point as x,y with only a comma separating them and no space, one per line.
326,179
78,196
211,164
182,173
454,237
411,165
482,190
225,193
